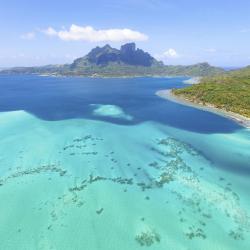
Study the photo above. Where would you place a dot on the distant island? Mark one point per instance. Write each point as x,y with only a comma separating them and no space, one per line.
222,90
128,61
228,94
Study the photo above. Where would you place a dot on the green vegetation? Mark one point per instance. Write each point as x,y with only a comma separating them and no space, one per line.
229,91
110,62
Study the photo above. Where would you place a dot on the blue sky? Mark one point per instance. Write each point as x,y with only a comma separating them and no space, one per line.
175,31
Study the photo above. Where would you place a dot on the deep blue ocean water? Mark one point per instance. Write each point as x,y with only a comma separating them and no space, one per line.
66,98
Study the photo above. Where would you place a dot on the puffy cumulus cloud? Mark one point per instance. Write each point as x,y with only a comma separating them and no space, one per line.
168,54
171,53
89,34
28,36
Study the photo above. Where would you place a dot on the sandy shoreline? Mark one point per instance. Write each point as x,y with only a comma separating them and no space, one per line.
167,94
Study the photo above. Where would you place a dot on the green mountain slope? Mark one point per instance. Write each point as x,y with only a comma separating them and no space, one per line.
230,91
111,62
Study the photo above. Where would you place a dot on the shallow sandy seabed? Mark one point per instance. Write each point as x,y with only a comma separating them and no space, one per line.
97,185
109,110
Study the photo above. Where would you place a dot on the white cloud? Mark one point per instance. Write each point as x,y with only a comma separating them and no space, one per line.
171,53
28,36
89,34
168,54
50,32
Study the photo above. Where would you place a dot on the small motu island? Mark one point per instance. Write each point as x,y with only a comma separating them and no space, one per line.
229,92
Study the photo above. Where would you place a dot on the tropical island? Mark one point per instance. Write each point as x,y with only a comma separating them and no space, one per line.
128,61
227,94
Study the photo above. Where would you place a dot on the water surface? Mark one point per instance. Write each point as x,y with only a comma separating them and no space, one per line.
106,164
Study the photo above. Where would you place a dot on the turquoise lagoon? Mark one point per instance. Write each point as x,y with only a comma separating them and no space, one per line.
106,164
